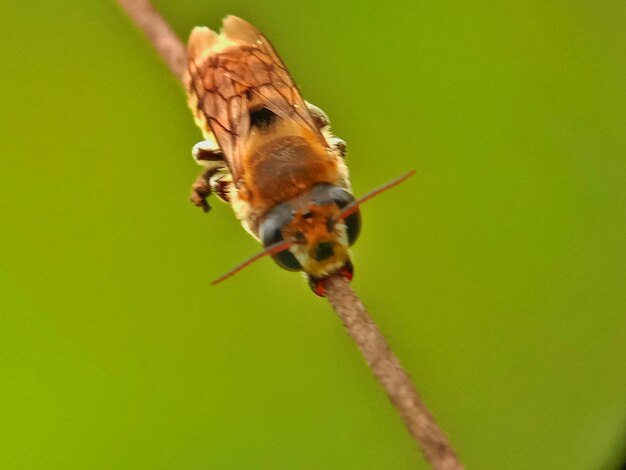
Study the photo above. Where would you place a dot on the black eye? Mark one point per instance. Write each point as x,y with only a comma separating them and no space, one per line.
270,230
340,196
353,225
323,194
286,259
271,233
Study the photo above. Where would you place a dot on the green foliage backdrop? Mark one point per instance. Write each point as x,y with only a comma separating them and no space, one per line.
497,273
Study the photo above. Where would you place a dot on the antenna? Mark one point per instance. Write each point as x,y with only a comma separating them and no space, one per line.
270,250
354,205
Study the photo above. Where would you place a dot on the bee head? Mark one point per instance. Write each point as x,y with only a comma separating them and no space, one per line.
313,232
318,237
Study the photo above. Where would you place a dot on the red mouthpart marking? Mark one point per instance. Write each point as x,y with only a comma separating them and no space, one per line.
319,287
318,284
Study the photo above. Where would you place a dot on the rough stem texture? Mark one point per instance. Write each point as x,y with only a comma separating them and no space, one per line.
387,369
360,326
162,37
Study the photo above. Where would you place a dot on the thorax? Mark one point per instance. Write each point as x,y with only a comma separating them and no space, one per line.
281,163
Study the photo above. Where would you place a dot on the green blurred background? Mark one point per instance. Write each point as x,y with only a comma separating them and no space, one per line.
497,273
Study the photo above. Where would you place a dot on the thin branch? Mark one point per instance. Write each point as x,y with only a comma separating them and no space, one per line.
391,375
360,326
162,37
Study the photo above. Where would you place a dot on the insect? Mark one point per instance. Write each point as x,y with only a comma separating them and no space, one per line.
270,154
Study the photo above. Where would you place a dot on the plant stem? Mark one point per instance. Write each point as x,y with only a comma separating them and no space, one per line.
389,372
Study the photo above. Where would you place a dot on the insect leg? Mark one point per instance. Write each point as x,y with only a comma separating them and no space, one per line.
323,123
220,184
209,155
319,116
338,144
201,189
206,152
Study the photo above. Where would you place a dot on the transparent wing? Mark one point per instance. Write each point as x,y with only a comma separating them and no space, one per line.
231,73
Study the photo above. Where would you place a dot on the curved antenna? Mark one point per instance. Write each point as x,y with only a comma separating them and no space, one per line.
270,250
354,205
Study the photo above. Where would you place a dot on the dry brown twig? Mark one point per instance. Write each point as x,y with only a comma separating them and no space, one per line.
162,37
389,372
384,364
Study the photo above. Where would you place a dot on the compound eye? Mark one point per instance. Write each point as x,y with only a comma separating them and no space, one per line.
271,233
286,260
340,196
353,226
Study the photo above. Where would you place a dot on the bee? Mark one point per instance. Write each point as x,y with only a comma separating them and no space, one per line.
270,154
